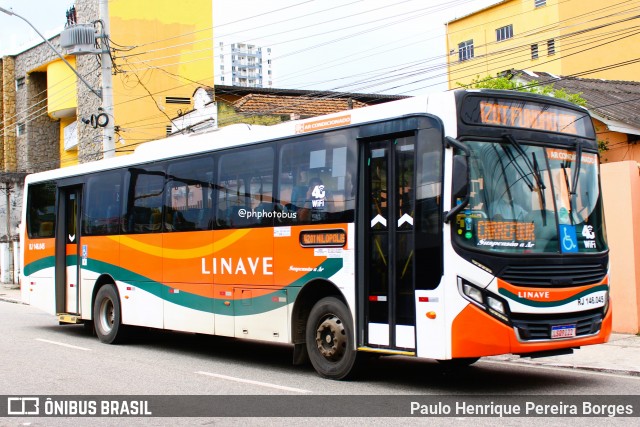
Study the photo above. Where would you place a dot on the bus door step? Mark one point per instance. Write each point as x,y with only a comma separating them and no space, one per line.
69,318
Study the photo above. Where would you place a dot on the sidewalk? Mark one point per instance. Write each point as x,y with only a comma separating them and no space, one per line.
620,355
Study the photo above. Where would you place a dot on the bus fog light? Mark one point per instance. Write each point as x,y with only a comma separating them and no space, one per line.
495,304
472,293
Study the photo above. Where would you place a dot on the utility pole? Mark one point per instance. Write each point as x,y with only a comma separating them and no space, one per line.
108,135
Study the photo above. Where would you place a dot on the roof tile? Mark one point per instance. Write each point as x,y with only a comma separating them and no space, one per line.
302,105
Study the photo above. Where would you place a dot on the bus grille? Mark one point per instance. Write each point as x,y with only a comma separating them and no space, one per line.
553,275
533,327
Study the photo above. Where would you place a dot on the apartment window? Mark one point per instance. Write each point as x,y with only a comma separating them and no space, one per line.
534,51
465,50
504,33
551,47
21,129
168,130
538,3
20,83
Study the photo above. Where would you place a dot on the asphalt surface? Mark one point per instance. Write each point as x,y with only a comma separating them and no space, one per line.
620,355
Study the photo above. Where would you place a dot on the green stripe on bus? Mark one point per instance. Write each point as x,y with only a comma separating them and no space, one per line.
189,300
41,264
530,303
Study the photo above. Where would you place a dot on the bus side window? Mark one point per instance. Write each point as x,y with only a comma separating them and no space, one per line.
188,198
317,178
41,210
102,203
245,195
144,200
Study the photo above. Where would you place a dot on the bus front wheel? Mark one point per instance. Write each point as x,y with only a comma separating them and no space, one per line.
329,338
106,315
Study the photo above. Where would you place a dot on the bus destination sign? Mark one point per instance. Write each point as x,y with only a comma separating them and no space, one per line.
517,113
323,238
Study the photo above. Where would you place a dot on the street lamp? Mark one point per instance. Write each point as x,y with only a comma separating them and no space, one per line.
11,13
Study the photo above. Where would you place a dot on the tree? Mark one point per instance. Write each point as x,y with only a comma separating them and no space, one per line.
509,83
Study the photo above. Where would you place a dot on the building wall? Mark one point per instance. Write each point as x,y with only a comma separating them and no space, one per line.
8,111
610,45
621,193
619,146
37,148
174,59
569,23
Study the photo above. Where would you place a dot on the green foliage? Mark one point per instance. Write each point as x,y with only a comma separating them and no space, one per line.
602,146
227,115
508,83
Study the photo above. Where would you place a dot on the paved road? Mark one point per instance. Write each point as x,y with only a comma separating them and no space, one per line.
41,357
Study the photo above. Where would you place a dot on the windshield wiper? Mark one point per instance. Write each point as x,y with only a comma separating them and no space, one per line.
541,188
571,198
534,171
517,167
576,171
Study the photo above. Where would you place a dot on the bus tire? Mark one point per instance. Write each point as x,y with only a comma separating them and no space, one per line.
329,338
107,318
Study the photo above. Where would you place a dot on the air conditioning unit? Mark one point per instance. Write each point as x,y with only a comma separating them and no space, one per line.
79,39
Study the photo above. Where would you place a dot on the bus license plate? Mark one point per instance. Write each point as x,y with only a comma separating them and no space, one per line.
563,331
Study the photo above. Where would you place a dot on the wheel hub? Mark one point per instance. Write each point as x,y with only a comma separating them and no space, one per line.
107,316
331,338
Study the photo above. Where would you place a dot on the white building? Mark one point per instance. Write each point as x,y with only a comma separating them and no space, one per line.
242,64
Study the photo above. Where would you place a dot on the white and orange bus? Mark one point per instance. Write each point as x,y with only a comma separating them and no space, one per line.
451,226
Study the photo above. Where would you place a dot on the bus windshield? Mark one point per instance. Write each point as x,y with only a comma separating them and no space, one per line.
531,199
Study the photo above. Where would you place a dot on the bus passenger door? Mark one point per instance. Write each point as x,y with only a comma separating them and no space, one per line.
68,251
389,302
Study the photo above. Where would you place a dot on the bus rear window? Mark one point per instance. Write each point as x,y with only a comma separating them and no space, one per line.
41,219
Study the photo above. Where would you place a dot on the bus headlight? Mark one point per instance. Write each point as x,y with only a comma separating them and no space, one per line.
495,304
473,293
488,301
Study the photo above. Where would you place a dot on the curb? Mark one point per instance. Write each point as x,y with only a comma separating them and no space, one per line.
11,300
606,370
14,290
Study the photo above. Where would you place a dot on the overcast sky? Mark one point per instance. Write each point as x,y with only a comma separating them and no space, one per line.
367,46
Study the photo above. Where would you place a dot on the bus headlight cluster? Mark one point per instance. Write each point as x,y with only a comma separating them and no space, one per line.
488,301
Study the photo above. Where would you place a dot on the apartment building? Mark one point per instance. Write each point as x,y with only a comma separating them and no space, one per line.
582,38
243,64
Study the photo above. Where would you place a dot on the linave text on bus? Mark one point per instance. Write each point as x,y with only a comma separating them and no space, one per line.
235,266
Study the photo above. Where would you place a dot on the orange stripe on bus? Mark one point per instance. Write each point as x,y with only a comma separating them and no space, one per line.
198,252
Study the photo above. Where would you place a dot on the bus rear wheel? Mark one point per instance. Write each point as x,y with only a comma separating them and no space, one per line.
329,338
106,315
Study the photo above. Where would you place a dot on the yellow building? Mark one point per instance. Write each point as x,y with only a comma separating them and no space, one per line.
162,51
586,38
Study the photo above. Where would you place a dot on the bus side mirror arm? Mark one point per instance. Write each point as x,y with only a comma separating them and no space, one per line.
460,178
